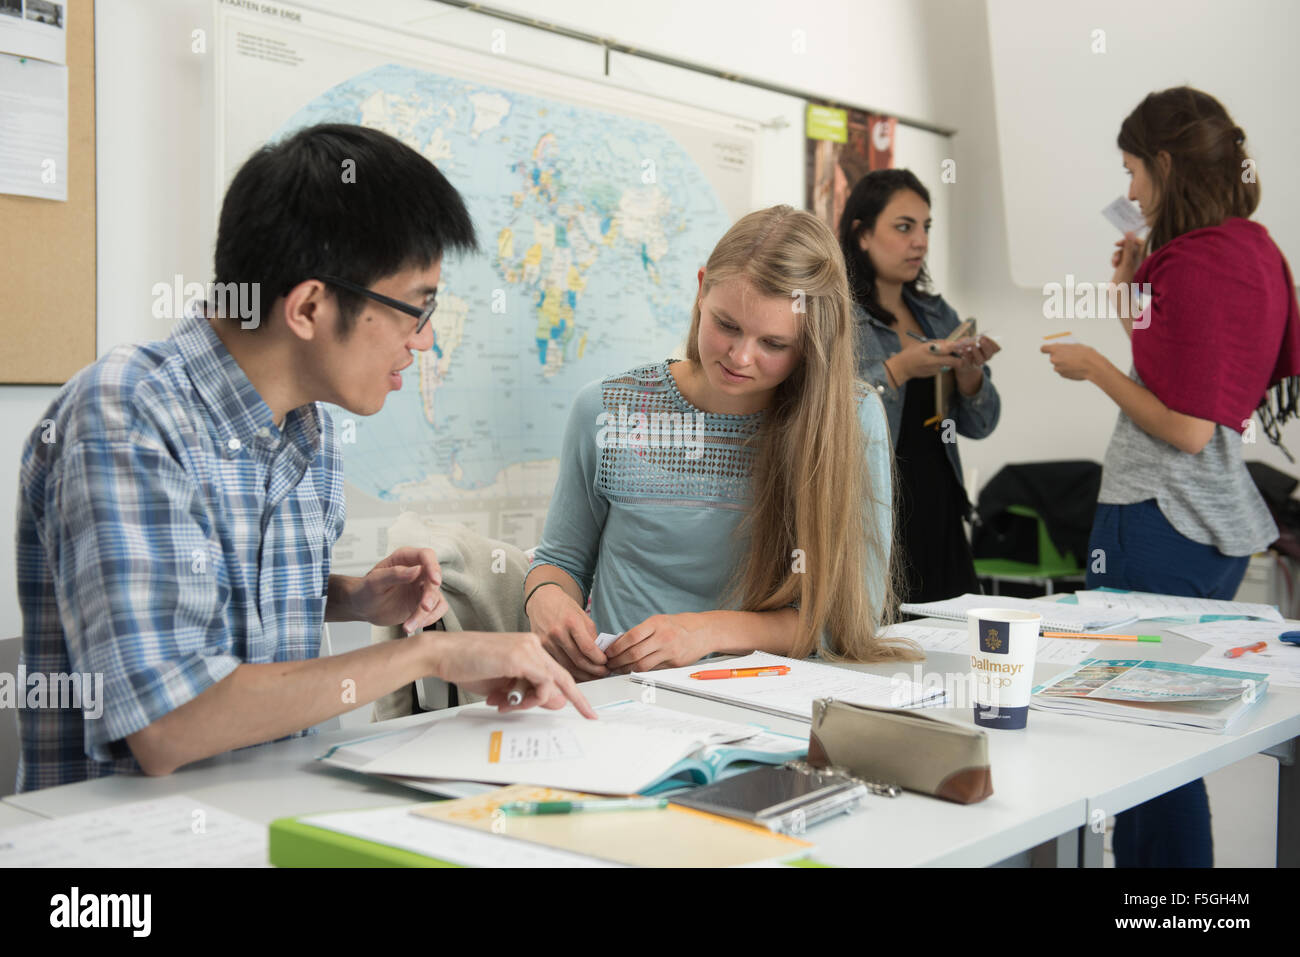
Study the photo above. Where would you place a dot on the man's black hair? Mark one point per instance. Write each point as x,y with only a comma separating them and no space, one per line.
336,200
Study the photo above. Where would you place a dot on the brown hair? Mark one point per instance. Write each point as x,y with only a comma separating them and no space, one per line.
811,487
1206,182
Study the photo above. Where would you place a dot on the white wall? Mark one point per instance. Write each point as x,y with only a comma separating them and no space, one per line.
1065,75
1043,416
926,59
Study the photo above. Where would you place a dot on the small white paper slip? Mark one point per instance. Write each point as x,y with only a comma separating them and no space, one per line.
175,831
605,639
556,744
1124,215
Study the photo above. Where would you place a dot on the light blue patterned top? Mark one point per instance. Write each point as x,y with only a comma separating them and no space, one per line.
652,491
168,532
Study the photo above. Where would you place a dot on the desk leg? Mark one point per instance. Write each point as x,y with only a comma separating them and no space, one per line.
1092,848
1288,804
1061,852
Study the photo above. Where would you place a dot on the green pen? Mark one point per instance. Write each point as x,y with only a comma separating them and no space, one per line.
1095,635
520,808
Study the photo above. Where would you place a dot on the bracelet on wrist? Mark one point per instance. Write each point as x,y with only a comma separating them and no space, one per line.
533,591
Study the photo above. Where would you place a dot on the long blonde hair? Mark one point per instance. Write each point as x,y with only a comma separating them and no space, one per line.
811,489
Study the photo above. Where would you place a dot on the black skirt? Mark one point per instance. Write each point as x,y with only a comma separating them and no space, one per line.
934,556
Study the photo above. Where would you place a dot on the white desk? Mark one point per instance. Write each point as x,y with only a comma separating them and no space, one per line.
11,816
1046,779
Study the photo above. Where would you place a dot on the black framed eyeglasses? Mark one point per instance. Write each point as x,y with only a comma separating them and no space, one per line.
422,314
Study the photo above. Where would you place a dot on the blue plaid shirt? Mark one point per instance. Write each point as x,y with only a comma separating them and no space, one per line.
167,533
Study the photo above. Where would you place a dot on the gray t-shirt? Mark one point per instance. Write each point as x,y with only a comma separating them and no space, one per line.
1208,497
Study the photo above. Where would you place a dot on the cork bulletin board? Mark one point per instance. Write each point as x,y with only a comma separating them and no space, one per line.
47,248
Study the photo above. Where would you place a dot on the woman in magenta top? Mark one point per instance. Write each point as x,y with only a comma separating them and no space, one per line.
1217,342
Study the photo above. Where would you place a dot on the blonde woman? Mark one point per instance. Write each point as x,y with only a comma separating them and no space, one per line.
737,500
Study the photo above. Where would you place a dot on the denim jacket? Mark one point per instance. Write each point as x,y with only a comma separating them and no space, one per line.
975,416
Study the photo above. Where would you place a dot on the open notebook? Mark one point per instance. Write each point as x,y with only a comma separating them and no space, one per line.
791,695
635,747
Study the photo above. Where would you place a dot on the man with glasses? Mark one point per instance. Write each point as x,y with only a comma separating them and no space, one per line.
179,501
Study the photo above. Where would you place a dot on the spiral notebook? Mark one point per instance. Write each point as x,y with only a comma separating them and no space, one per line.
1056,615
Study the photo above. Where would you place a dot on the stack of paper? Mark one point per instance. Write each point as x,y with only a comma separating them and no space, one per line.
175,831
1142,604
1056,615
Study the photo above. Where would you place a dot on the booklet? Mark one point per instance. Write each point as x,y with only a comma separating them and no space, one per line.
1160,693
634,747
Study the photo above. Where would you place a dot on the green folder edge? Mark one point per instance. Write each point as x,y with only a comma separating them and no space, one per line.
295,844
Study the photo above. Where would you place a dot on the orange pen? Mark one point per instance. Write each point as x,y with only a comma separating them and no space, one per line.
742,672
1238,652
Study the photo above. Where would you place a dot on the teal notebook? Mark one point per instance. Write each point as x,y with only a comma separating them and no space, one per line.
713,762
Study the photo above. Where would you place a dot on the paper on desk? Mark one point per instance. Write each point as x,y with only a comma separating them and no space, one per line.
398,827
1280,660
792,694
175,831
1057,616
605,757
1126,216
644,715
1151,605
1066,651
605,639
33,128
355,755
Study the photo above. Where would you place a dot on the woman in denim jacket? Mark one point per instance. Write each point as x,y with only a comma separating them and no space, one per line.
883,234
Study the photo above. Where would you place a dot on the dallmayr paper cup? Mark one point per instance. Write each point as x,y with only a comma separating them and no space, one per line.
1003,642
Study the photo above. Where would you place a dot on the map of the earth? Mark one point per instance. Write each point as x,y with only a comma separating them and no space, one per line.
592,226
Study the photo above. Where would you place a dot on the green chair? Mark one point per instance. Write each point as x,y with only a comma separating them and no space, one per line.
1051,569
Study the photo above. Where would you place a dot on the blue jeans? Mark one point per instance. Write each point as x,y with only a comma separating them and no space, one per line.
1141,551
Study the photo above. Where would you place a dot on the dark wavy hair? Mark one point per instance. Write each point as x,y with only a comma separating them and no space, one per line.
871,195
1205,183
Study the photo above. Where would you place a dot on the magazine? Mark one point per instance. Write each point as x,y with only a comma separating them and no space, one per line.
1153,692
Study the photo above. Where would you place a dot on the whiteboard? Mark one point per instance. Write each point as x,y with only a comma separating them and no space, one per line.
1059,107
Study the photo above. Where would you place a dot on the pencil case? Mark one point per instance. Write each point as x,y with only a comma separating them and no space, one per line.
912,749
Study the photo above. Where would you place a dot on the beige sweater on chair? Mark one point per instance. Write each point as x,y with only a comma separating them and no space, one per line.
482,580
